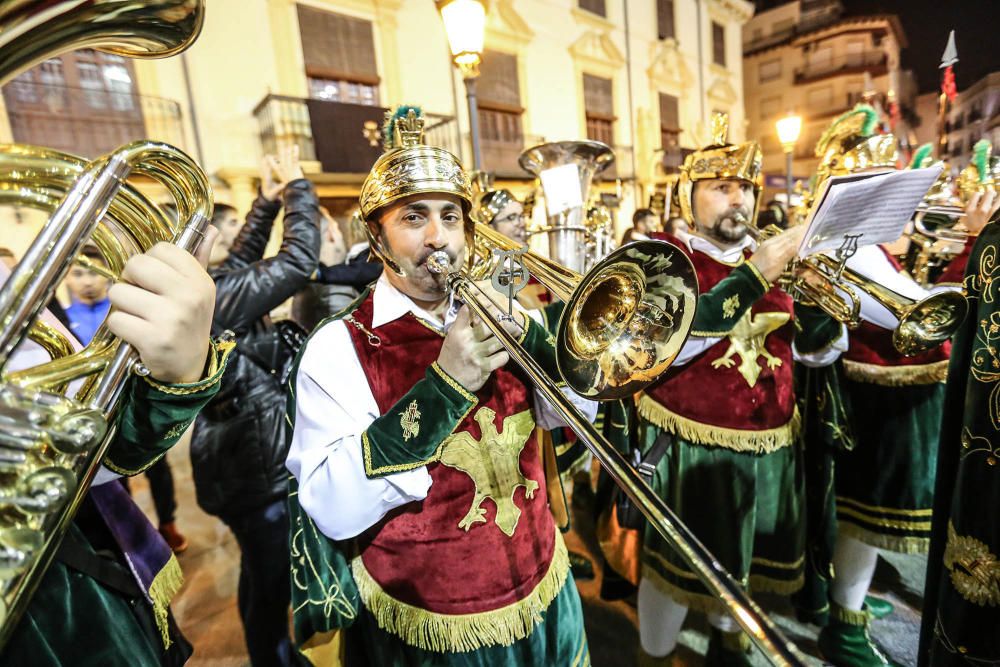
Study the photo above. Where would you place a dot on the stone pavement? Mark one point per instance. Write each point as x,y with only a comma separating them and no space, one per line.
206,607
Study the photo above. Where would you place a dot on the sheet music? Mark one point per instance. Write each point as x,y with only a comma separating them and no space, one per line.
875,207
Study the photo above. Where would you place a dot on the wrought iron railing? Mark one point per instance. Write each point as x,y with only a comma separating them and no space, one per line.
87,121
347,141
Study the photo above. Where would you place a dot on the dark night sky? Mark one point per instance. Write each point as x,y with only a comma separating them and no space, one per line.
927,22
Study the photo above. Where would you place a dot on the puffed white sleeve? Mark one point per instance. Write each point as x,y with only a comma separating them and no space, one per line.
333,406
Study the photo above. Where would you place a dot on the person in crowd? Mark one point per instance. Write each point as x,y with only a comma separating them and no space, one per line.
105,599
238,447
414,445
644,222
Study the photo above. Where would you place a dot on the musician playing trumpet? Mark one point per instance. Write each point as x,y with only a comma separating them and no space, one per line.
720,425
420,520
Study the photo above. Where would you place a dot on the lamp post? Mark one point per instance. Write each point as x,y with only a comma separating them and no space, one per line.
788,129
465,23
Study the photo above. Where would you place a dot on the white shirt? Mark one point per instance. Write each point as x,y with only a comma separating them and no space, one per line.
334,405
695,345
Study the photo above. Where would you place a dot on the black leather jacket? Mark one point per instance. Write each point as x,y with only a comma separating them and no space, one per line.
238,449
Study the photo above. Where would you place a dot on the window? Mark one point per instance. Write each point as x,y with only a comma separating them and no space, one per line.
783,25
599,108
500,111
855,53
820,59
665,19
718,44
339,55
770,107
670,124
770,70
595,6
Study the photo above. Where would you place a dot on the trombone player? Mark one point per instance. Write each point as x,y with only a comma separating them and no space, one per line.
418,481
719,427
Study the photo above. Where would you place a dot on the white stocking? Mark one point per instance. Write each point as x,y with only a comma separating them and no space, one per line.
660,620
724,622
853,569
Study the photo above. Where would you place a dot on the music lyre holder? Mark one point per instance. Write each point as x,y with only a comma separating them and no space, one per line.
509,277
846,250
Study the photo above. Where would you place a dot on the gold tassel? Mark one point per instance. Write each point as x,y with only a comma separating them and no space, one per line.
162,590
460,633
896,376
764,441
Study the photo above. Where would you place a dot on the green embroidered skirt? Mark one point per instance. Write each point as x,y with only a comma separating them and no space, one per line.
558,640
746,508
885,485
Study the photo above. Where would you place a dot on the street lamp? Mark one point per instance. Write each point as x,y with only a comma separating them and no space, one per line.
789,128
465,23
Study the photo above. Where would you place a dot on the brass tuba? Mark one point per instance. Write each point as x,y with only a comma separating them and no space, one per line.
51,445
566,193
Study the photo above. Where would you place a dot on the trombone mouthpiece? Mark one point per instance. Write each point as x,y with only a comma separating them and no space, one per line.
739,217
439,263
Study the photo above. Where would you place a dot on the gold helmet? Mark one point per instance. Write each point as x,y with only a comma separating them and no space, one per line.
720,161
409,167
981,175
850,145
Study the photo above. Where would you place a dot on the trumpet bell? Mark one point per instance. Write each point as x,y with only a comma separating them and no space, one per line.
627,320
930,322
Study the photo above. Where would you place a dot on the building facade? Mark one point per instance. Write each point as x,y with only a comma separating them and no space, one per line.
974,115
806,58
642,77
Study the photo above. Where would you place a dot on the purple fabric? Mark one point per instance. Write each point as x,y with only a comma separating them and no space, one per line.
145,550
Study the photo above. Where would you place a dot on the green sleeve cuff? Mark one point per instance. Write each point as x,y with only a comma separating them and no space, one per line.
410,434
154,416
720,308
541,346
814,329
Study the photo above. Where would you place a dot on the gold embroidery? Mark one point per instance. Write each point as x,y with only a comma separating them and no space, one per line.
176,431
984,446
730,305
747,340
409,421
975,570
493,463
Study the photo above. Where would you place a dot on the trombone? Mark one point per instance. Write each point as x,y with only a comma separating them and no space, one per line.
624,323
923,324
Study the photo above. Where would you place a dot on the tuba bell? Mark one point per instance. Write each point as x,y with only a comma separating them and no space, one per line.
566,170
51,444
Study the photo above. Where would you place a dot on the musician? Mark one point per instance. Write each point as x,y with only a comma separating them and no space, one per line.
105,598
721,423
644,222
962,596
884,484
420,517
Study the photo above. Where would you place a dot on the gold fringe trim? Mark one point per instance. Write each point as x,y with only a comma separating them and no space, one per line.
460,633
896,376
902,544
758,442
761,584
696,601
162,590
875,509
849,616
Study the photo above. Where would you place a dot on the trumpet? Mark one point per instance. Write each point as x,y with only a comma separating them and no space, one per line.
631,313
923,324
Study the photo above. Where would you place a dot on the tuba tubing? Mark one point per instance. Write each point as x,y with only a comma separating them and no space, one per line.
763,631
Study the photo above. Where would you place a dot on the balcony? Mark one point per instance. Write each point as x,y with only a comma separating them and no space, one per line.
344,138
875,63
88,122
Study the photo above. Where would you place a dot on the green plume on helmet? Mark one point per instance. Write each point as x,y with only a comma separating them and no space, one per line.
981,158
389,126
922,157
858,122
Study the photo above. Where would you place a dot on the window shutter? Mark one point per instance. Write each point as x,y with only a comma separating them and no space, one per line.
337,47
